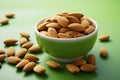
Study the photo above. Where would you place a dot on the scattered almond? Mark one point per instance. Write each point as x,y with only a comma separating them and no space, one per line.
2,57
24,34
91,59
10,51
53,64
9,15
39,69
34,49
21,64
80,62
2,51
88,68
13,60
22,40
31,57
27,45
4,21
103,52
10,42
21,52
29,66
72,68
104,37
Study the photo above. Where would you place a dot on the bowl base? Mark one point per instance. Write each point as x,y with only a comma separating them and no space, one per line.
66,59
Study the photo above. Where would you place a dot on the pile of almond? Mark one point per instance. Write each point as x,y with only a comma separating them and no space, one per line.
66,25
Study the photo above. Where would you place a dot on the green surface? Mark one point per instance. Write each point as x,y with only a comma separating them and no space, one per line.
28,12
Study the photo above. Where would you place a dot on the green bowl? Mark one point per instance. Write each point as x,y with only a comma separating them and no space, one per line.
66,50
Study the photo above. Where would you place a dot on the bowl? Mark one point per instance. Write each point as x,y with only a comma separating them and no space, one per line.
66,50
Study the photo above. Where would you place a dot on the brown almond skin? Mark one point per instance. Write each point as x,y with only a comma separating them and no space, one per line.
2,57
63,21
44,33
29,66
35,49
85,23
21,64
13,60
72,68
104,37
52,33
24,34
53,25
9,15
4,21
39,69
22,40
89,20
63,35
2,51
10,42
21,52
10,51
73,19
78,15
89,30
31,57
42,26
103,52
53,64
88,68
91,59
27,45
80,62
76,27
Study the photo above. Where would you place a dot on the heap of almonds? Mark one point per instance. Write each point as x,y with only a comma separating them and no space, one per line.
66,25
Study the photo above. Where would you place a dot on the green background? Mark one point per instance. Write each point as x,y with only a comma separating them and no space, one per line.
28,12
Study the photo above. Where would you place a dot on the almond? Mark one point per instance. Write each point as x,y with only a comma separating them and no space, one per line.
13,60
89,20
21,52
63,21
44,33
104,37
53,64
72,68
31,57
24,34
103,52
63,30
22,40
89,30
27,45
52,32
9,15
2,57
88,68
10,42
29,66
91,59
53,25
72,19
85,23
39,69
10,51
42,26
78,15
76,27
63,35
4,21
80,62
21,64
34,49
2,51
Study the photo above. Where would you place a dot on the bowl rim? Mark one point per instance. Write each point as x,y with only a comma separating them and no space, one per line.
68,39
